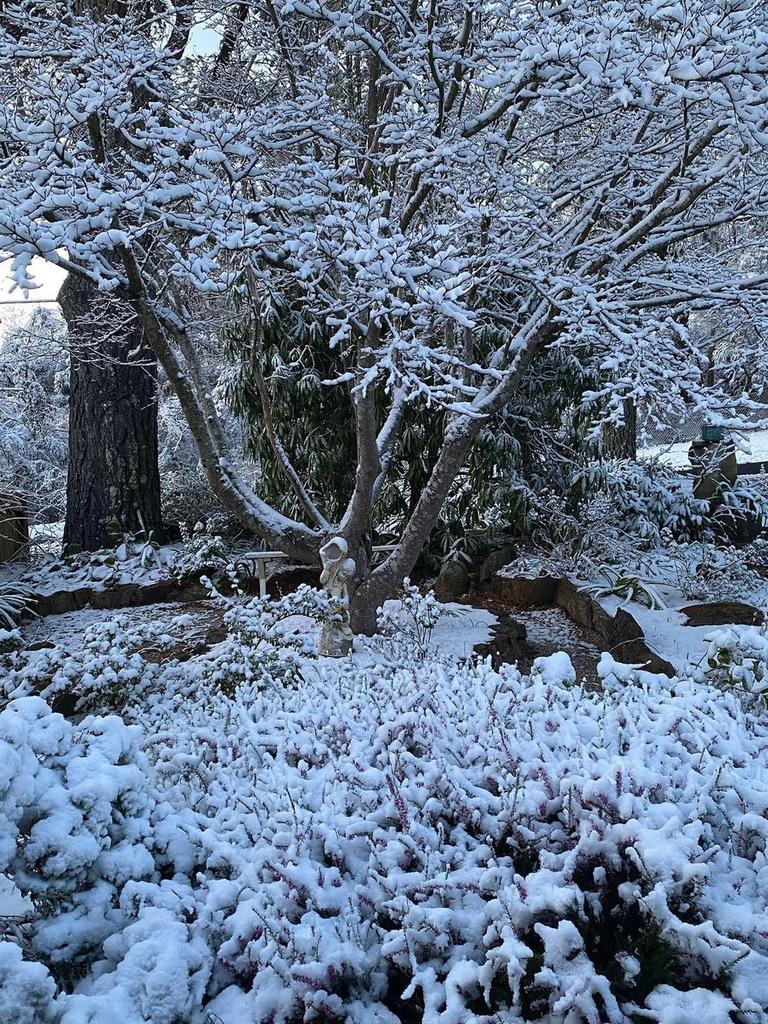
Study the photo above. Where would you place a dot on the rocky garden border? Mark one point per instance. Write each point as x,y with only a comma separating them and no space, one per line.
621,633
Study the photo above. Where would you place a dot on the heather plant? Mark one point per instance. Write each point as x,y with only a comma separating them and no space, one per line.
394,838
737,656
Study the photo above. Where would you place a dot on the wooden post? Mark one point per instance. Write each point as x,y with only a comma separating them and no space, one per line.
14,529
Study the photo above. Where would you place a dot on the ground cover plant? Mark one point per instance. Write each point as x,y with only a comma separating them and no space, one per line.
403,838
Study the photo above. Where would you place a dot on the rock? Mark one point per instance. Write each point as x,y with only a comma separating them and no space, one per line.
714,467
624,639
128,595
723,613
577,605
526,591
496,560
119,597
621,634
61,601
453,581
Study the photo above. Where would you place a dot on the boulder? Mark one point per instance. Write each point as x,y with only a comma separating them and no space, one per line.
453,581
61,601
723,613
527,591
577,605
496,560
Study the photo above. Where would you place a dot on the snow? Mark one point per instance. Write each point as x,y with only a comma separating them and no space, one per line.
554,669
129,564
185,622
459,629
399,824
405,833
666,630
12,903
753,447
672,1006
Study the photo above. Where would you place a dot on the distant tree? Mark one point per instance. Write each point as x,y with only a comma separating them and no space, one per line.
33,417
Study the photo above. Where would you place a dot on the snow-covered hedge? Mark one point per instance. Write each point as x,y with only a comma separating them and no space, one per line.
403,839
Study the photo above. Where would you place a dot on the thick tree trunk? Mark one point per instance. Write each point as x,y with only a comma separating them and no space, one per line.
113,475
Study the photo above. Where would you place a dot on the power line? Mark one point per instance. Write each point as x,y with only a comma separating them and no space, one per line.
26,302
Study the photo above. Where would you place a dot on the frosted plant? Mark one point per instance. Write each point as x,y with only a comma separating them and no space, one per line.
412,838
407,625
16,598
738,656
203,551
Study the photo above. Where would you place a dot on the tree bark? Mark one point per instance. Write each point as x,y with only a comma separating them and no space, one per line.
113,481
620,442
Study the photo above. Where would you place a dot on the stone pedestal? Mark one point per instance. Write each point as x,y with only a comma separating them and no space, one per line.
714,465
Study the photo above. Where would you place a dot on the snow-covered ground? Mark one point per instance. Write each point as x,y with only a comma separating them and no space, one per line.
751,447
384,838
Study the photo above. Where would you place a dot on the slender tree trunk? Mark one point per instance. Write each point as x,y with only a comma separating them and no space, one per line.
113,475
620,442
383,582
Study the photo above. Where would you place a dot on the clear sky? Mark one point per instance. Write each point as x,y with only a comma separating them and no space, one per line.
49,279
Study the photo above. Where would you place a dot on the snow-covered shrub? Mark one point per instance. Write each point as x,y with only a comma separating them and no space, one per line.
27,991
388,839
10,640
406,625
203,552
649,497
34,412
268,641
738,656
704,571
446,843
16,598
743,502
109,668
120,660
616,514
143,547
80,822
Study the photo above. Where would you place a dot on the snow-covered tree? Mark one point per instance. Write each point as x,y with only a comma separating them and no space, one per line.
448,188
33,415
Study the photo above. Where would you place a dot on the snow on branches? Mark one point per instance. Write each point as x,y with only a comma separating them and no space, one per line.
447,187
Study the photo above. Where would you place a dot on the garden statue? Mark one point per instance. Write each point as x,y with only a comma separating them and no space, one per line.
336,635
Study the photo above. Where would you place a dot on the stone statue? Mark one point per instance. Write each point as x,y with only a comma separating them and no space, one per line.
336,636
